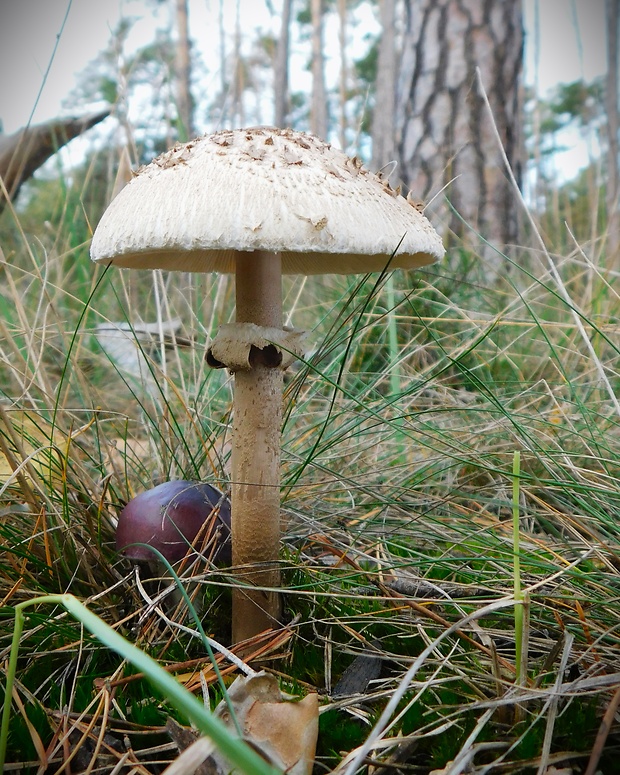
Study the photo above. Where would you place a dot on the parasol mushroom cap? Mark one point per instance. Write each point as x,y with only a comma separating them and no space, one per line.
262,189
169,517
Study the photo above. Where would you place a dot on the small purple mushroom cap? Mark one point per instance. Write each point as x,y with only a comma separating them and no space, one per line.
170,516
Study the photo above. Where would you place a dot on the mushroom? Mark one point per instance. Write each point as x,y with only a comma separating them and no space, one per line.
170,517
257,203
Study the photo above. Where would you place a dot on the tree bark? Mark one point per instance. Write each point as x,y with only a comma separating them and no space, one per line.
613,164
318,108
238,108
185,104
23,152
344,68
383,118
281,96
444,133
222,48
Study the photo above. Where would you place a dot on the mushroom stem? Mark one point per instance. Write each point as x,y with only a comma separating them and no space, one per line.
255,492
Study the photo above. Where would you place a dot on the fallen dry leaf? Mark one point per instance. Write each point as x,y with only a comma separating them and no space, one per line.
283,731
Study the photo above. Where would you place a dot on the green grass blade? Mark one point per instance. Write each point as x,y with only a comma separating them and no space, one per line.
516,491
232,747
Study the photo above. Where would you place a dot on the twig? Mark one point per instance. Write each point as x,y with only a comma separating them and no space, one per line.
553,704
603,731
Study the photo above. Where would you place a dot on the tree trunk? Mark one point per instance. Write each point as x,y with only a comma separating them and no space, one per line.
318,108
613,164
238,109
281,97
222,54
444,132
383,125
185,106
23,152
344,68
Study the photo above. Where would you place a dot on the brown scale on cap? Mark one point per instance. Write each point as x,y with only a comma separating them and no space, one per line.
200,203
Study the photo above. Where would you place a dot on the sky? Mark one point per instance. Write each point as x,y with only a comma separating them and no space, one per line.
45,44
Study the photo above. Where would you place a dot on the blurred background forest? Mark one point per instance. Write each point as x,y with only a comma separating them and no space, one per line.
394,82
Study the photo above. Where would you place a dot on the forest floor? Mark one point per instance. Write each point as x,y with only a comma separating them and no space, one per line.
451,557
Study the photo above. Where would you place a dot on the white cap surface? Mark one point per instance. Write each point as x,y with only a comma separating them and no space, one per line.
264,189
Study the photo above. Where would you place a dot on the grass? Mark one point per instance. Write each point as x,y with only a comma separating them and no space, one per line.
401,494
242,756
